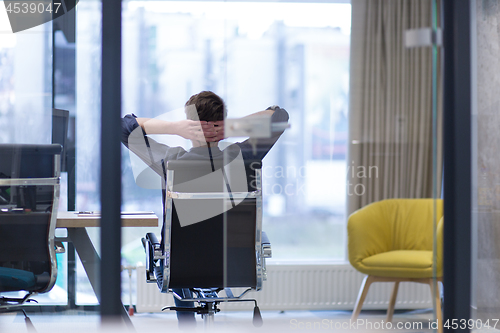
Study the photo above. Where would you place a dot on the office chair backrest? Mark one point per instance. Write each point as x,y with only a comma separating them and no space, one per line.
29,190
198,249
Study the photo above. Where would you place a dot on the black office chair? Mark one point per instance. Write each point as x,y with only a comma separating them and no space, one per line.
226,250
29,194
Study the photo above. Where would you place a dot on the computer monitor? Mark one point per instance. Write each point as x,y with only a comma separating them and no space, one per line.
27,161
60,119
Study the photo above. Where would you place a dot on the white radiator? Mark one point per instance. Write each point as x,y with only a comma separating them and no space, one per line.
303,287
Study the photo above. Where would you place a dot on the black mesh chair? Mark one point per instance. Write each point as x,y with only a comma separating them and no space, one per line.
29,193
212,235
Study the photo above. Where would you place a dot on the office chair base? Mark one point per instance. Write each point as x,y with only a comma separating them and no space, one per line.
208,318
18,308
201,310
257,318
207,310
8,304
29,325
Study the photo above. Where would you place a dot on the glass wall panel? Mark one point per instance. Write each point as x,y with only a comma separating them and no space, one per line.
485,171
436,286
173,50
26,83
26,105
39,72
395,156
88,130
364,111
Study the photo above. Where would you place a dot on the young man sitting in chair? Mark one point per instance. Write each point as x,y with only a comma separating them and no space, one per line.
204,126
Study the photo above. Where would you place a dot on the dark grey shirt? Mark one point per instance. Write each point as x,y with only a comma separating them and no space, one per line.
154,153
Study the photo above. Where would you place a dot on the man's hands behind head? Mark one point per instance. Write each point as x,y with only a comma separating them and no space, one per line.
210,131
218,130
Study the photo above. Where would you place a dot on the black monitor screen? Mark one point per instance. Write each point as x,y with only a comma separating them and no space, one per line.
27,161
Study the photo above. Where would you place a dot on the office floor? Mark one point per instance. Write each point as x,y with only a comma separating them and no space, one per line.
274,322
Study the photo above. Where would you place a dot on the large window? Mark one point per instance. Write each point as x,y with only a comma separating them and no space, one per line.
254,55
25,83
26,104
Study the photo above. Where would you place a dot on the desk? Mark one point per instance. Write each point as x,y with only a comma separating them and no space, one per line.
75,220
77,234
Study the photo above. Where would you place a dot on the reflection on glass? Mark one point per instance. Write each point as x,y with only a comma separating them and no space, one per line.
26,103
88,129
438,220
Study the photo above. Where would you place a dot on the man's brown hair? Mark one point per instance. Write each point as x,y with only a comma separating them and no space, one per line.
209,106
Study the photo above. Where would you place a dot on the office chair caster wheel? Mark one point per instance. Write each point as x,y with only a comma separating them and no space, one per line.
257,318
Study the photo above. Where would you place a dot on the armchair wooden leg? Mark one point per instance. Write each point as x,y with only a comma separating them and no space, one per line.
392,302
437,297
363,291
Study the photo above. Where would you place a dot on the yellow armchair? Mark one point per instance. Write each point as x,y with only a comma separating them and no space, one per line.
392,241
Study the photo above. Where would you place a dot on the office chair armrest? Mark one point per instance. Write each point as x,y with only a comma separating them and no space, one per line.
59,246
153,252
266,246
152,239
